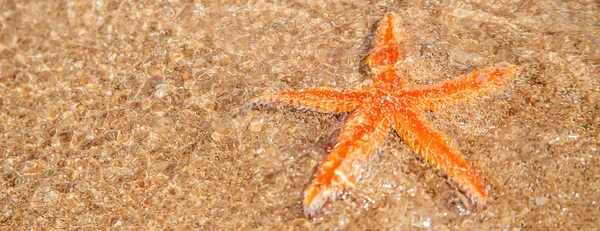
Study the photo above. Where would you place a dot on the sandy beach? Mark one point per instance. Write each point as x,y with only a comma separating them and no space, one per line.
135,115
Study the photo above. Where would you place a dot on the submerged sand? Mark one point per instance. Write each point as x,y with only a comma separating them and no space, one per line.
128,115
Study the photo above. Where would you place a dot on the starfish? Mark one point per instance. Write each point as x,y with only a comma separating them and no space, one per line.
387,104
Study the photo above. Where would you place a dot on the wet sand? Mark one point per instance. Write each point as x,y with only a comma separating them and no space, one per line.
121,115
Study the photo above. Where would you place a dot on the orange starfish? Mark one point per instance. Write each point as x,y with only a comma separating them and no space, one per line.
386,104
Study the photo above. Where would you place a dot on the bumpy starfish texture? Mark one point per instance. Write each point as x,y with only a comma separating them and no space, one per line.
385,104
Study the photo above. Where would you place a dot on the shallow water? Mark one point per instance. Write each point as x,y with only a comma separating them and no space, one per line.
135,115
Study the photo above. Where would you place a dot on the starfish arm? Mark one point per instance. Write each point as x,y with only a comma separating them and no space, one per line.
385,53
439,151
364,130
319,99
470,85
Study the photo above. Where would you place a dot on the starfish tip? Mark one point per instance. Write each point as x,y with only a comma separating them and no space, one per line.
389,16
315,199
388,21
